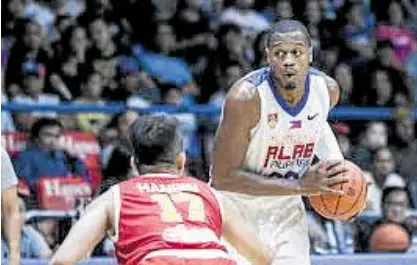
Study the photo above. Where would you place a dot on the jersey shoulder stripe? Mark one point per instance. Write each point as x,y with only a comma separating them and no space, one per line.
257,77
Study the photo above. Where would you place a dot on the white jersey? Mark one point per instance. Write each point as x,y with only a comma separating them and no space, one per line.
286,139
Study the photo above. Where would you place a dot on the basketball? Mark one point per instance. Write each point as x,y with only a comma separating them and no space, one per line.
343,207
389,238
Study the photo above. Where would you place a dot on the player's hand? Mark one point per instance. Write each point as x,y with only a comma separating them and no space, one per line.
320,177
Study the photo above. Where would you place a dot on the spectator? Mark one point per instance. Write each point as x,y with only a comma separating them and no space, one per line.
104,55
26,49
32,244
405,147
117,152
214,12
74,41
357,34
225,80
411,66
232,49
329,57
382,90
12,12
383,61
395,202
92,93
382,176
342,131
192,31
10,209
162,57
374,136
7,122
100,9
33,85
403,40
45,158
313,19
40,12
343,75
137,89
67,79
283,10
259,46
188,122
245,17
69,62
116,131
329,236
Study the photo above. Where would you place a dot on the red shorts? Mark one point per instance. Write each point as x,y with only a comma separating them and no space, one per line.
166,260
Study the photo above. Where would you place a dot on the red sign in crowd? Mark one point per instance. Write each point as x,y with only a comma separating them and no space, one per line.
61,193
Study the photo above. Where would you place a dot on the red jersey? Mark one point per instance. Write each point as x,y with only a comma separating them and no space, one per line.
165,212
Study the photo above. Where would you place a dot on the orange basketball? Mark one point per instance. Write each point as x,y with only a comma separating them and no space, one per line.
389,238
343,207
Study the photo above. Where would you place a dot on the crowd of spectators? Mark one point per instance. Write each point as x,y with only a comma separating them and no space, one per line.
187,52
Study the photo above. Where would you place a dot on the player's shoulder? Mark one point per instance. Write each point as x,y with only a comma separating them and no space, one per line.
332,87
246,88
244,93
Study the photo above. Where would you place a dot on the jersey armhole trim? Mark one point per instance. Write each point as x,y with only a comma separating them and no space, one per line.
258,124
219,202
116,207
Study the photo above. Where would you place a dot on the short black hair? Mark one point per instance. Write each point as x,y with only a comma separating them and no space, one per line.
286,26
155,139
388,190
41,123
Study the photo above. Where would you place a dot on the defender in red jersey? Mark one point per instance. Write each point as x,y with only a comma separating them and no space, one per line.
162,217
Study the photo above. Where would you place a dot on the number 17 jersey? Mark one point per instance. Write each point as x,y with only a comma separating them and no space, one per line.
164,212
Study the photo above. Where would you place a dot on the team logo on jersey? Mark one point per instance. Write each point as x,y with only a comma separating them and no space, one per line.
272,120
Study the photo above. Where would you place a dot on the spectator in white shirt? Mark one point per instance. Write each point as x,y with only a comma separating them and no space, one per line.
382,176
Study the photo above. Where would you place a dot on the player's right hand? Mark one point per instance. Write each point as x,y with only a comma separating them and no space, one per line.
321,177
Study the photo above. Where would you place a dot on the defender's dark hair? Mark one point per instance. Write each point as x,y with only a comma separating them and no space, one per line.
155,140
286,26
41,123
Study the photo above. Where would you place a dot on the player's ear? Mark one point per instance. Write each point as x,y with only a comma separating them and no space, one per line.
180,162
310,51
267,55
133,164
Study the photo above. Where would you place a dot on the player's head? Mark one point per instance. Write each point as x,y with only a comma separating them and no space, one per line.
395,203
157,144
289,52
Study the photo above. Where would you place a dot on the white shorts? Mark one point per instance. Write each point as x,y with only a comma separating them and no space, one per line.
282,226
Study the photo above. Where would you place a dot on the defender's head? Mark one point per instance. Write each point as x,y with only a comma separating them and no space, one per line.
157,144
289,52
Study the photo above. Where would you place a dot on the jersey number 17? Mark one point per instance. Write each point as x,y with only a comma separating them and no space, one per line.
170,213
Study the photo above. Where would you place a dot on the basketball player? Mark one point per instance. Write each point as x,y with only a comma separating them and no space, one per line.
274,124
161,217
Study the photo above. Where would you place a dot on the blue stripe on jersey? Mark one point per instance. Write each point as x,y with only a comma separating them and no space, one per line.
258,77
293,111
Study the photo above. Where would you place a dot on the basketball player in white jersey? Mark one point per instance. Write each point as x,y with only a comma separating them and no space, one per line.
274,123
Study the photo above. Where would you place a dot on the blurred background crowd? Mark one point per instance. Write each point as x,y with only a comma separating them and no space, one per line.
186,52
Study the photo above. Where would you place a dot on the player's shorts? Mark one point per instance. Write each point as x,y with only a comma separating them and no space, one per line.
281,223
188,257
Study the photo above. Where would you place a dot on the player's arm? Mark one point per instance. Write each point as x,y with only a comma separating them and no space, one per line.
334,91
241,112
11,222
242,237
87,232
11,228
